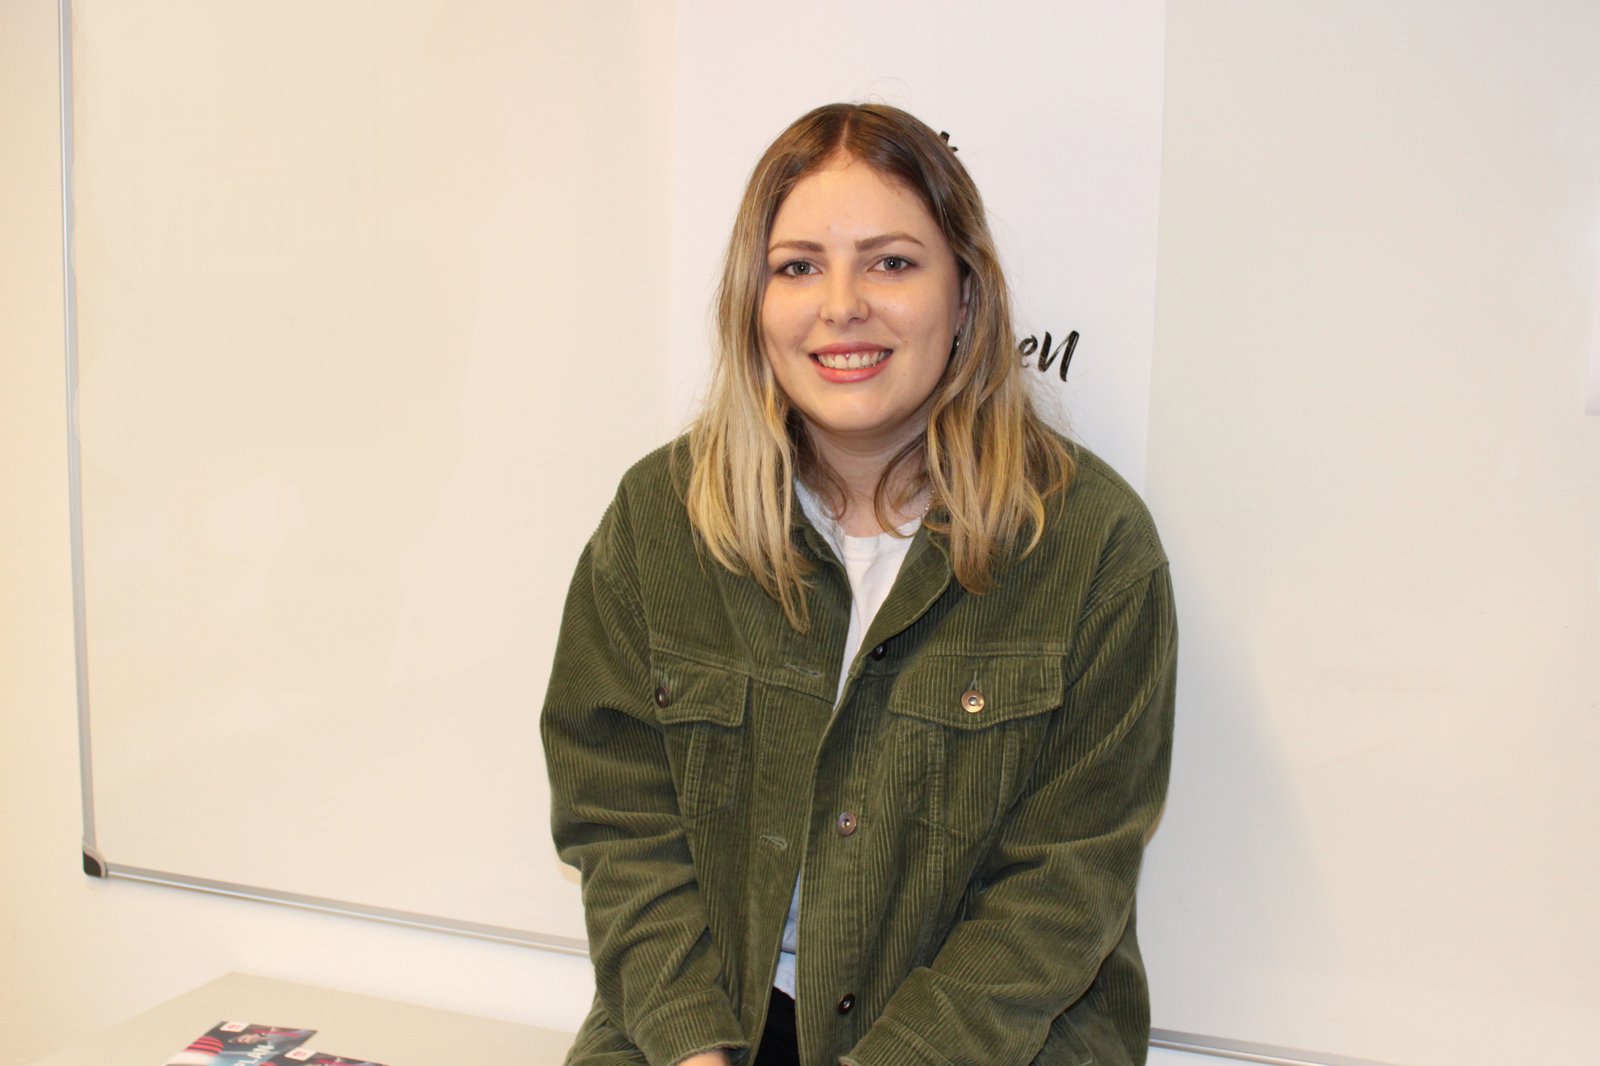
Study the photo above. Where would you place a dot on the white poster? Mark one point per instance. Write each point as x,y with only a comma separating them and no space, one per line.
1054,108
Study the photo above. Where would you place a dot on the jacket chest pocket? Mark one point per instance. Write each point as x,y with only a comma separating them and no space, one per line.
968,729
701,709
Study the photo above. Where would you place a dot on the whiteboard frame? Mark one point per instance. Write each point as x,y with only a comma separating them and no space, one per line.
95,864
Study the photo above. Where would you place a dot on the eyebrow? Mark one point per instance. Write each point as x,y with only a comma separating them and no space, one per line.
866,244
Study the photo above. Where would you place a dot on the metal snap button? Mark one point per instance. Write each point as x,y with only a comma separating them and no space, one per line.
846,823
972,701
880,651
662,698
846,1004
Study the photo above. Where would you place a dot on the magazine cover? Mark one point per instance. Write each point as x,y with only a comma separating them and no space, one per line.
305,1056
240,1044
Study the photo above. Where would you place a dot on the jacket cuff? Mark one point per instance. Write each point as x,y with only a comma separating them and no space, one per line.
687,1027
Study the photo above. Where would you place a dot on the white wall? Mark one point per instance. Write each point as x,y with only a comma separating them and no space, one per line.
77,955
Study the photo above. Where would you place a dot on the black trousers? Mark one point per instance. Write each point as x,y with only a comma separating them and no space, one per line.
779,1045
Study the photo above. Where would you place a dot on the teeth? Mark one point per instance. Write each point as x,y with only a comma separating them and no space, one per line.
853,361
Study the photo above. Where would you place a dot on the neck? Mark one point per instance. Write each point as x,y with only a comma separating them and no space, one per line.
858,473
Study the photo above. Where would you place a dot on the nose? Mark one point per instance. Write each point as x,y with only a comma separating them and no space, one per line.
843,300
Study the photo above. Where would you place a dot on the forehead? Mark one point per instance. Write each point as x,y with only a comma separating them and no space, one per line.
852,198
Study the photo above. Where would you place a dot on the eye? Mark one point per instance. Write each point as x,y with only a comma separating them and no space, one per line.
797,268
895,263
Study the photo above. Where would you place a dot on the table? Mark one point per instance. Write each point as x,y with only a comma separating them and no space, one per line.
395,1034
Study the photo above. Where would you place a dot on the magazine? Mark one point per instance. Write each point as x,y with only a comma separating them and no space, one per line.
307,1057
240,1044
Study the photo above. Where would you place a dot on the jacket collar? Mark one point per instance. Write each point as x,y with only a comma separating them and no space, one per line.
924,575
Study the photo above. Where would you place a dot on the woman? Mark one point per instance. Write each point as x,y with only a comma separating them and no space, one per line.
861,710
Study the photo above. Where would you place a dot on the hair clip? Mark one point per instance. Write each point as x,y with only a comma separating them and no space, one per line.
945,137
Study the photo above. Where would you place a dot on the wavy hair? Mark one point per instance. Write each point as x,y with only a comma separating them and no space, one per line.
986,459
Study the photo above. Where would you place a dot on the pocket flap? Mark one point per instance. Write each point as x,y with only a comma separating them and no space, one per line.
940,689
696,692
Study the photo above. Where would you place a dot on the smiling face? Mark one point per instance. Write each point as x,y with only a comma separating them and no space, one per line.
863,301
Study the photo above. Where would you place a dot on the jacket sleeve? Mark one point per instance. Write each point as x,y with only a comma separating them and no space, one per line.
1056,894
614,815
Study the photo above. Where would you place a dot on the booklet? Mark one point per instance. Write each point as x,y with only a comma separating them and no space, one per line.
240,1044
307,1057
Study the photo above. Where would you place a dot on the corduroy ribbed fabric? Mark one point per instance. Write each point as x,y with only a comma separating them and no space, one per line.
967,822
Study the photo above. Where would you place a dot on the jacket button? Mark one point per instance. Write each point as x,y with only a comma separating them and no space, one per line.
880,651
846,823
972,701
846,1004
662,698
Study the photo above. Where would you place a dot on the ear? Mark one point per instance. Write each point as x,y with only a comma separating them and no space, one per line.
966,297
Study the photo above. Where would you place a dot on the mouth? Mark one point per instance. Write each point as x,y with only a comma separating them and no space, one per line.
856,360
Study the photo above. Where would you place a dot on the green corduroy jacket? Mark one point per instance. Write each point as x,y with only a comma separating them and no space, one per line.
967,822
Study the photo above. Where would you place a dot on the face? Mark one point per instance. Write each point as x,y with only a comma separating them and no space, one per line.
864,299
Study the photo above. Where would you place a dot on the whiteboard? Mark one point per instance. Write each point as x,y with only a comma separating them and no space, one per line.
371,319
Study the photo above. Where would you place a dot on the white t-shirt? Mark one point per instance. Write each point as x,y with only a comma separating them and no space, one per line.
872,564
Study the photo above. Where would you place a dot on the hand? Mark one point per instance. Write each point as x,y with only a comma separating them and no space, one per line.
715,1057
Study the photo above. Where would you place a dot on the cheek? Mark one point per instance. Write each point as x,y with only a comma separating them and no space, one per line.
783,321
771,320
774,340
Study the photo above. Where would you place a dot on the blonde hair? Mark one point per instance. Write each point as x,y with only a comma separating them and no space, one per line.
986,458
